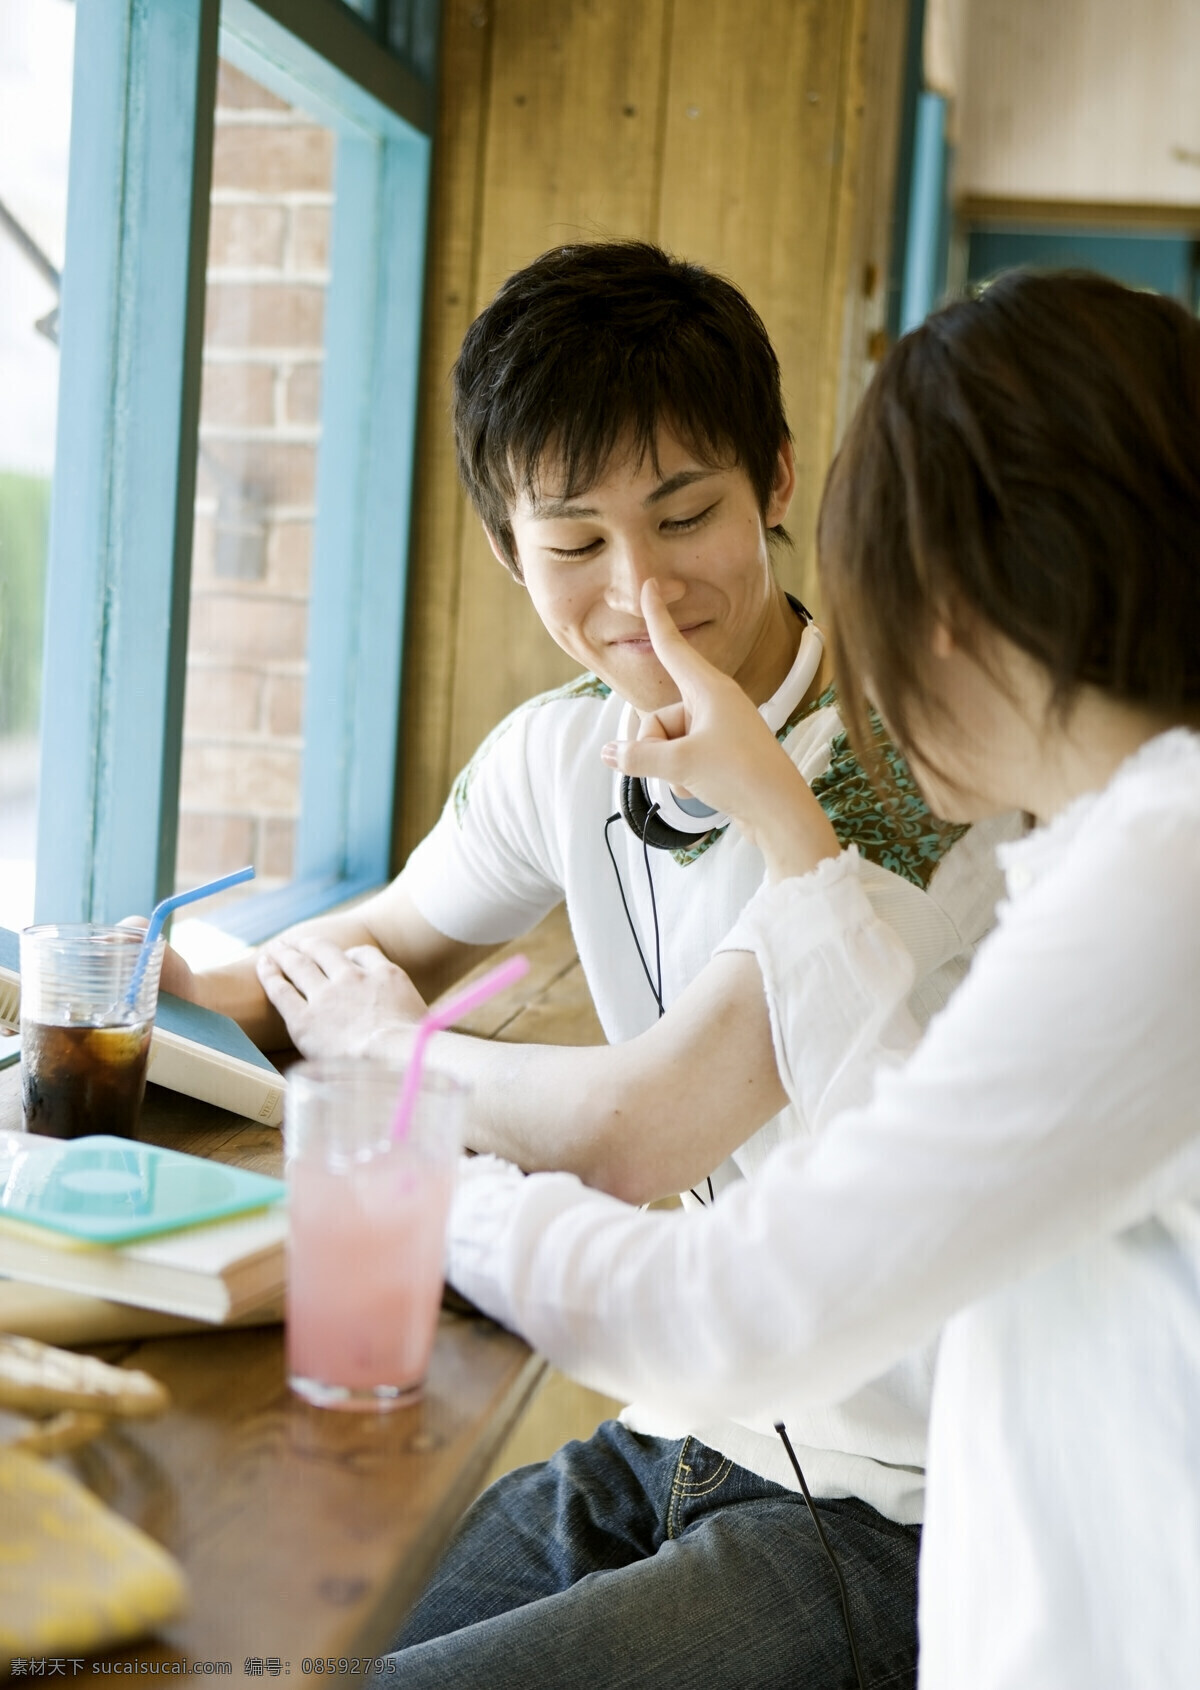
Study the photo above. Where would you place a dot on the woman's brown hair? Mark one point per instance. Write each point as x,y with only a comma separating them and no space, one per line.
1027,460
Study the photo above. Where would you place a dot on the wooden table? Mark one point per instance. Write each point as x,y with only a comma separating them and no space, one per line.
303,1532
306,1532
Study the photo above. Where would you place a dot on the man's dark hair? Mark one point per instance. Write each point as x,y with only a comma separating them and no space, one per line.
1026,461
591,346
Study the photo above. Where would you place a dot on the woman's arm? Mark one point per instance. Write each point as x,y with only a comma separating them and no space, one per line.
1053,1100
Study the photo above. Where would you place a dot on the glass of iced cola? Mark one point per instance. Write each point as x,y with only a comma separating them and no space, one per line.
87,1013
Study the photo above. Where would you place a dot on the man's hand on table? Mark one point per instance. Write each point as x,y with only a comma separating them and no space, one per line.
333,1001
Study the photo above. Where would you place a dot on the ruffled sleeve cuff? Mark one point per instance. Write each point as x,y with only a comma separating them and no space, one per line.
812,908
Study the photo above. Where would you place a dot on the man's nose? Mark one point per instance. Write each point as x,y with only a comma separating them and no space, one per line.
630,567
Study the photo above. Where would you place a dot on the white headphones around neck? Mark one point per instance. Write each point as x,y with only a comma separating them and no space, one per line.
657,815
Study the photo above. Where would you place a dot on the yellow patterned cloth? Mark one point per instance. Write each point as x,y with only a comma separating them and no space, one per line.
73,1575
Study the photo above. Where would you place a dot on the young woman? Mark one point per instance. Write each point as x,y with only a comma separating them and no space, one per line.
1010,554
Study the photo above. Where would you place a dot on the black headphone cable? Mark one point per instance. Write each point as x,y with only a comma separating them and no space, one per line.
658,999
837,1571
657,991
650,815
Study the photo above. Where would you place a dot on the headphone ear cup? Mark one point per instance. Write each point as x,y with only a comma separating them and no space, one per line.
658,834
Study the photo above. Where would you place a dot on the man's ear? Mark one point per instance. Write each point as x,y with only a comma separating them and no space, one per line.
783,487
514,568
941,641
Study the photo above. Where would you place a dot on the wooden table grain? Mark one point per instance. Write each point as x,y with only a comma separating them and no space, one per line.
307,1533
304,1533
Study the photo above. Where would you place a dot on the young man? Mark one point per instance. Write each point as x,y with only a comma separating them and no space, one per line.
619,420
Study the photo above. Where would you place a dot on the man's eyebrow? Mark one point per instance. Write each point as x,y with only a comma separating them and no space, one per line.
683,478
548,510
552,509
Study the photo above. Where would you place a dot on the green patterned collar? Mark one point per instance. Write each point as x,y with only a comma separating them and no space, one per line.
894,829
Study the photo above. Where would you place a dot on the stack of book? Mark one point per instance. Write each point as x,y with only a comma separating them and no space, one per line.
164,1271
109,1224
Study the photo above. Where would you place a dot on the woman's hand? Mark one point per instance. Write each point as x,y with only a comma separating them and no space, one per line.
715,744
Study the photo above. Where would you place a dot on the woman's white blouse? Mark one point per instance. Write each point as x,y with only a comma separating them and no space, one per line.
1026,1178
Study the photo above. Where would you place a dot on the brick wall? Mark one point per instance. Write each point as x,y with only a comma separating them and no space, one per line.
268,260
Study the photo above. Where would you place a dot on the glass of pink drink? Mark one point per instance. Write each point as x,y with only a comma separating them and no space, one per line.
367,1231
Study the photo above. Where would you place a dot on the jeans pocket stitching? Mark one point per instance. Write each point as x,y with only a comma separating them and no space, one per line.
678,1488
704,1487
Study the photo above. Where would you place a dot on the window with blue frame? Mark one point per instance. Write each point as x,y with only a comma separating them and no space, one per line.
36,57
271,208
239,342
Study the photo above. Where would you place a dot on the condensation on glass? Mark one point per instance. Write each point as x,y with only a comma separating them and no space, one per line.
268,271
36,55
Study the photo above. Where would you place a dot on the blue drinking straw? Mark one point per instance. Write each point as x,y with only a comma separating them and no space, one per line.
163,910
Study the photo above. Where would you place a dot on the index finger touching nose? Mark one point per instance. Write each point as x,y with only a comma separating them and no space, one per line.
660,624
685,666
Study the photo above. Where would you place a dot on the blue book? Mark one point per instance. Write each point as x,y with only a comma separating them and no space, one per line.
192,1050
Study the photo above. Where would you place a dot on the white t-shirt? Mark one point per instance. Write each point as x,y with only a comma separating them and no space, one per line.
525,826
1028,1180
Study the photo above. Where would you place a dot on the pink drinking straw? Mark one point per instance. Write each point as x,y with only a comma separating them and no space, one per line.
437,1021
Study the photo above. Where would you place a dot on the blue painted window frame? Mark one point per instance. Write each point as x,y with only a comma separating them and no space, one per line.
119,568
921,213
927,243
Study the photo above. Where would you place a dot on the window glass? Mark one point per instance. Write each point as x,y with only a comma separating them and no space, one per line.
267,276
1161,261
36,51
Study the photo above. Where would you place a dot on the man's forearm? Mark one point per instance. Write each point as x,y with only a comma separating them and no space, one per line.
641,1119
234,991
540,1106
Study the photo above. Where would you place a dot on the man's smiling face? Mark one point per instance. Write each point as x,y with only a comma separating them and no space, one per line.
694,528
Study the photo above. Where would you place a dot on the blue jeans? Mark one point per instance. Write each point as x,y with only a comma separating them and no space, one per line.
630,1560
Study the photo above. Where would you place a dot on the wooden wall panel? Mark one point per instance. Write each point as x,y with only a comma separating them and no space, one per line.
867,190
754,129
756,138
573,137
1085,101
441,514
571,155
